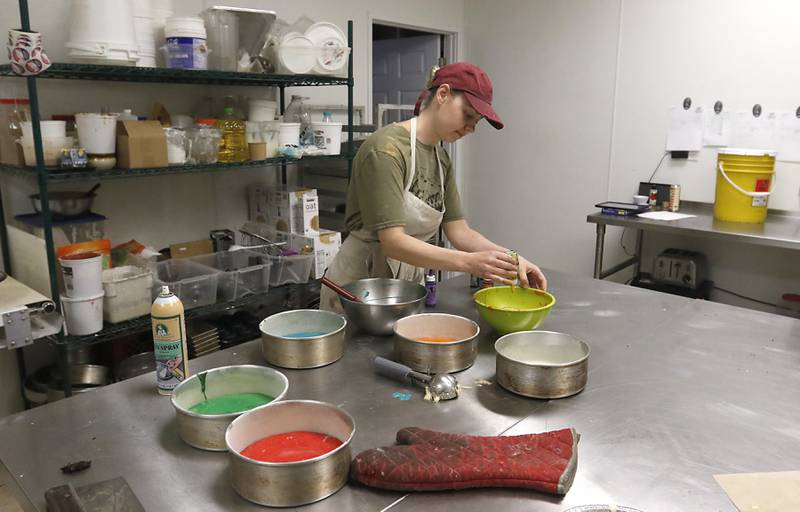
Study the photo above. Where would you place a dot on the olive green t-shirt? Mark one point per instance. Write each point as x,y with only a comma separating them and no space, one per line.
380,172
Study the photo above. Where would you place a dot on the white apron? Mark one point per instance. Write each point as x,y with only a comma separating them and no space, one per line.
361,255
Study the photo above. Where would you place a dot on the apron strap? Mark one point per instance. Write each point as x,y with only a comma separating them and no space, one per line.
413,171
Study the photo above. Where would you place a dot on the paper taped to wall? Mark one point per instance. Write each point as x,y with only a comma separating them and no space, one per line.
716,128
787,136
685,131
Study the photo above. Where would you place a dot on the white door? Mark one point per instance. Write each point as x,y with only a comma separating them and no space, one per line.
399,71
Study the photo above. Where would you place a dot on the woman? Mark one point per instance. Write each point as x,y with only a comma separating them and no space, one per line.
401,192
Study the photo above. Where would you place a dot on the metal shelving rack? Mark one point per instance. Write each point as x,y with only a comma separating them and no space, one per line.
45,176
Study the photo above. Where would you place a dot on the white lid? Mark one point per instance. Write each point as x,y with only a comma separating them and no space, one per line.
746,152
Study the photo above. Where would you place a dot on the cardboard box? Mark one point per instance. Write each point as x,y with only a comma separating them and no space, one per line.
325,246
141,144
189,249
304,218
291,209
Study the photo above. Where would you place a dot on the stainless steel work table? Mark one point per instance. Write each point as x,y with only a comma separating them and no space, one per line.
678,390
781,229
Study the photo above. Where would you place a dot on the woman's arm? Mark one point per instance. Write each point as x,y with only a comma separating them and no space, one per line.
491,264
464,238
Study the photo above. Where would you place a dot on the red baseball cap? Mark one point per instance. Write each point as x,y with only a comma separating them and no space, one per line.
470,80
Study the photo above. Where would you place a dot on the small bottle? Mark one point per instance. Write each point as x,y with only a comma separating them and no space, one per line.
327,117
486,283
233,146
169,340
430,285
653,197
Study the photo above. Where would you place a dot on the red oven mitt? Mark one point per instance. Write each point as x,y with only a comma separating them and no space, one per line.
426,460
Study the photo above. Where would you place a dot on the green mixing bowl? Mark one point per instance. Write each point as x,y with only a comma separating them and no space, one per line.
507,310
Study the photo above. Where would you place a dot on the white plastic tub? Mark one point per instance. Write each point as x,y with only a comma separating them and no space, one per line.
102,30
83,315
97,133
127,293
83,274
289,134
261,110
328,137
47,129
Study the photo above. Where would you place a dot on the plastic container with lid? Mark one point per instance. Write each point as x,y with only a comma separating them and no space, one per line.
127,293
206,138
186,43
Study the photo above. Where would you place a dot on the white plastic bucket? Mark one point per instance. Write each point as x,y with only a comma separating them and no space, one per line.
102,30
83,315
328,137
186,43
142,8
289,134
97,133
262,110
83,274
49,129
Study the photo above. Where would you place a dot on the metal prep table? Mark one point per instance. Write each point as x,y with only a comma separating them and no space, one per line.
678,390
781,229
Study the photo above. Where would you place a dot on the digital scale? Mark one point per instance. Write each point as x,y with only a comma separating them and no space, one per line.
622,209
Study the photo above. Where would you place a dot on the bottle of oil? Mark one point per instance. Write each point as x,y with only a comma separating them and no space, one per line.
233,146
169,338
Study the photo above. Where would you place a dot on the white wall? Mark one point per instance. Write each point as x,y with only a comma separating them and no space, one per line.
584,89
739,52
163,210
552,64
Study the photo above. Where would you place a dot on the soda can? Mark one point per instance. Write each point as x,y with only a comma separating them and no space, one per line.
674,198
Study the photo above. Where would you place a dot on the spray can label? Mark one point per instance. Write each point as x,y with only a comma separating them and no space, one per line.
168,341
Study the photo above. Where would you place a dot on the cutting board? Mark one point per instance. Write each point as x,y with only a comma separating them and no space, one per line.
763,492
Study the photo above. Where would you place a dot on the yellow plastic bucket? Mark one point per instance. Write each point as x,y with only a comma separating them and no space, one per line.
745,178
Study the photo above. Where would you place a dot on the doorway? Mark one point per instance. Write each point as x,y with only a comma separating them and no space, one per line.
402,57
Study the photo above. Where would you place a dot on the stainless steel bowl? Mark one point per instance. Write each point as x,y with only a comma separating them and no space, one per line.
433,356
65,203
322,345
290,484
207,431
384,302
135,365
542,364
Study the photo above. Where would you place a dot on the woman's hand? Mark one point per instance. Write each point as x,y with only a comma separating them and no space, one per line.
494,265
530,275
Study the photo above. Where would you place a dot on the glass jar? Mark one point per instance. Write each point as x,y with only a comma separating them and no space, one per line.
206,139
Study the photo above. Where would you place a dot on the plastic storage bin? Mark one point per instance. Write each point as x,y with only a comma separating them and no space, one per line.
194,284
291,269
128,293
243,273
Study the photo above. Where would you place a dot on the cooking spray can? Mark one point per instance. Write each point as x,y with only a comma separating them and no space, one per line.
169,339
